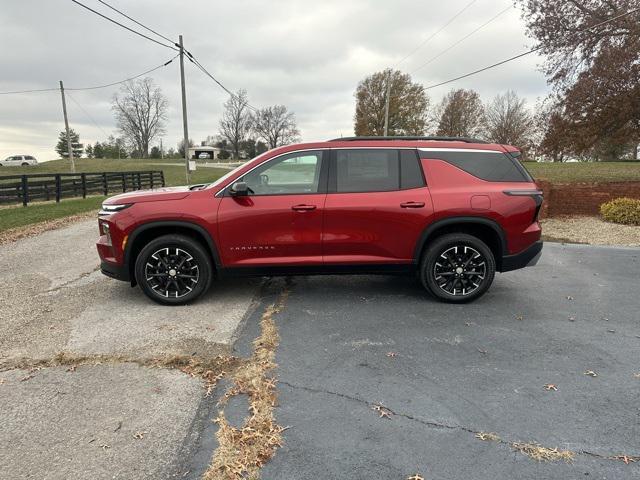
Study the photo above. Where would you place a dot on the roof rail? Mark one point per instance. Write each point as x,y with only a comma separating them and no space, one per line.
433,139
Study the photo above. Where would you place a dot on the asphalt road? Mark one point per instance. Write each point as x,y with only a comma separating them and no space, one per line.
460,369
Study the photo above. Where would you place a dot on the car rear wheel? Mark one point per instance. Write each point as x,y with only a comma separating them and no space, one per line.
173,270
457,268
25,164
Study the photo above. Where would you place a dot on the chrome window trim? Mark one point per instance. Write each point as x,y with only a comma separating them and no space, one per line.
219,192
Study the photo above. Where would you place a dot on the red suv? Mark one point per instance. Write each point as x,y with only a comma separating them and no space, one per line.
452,210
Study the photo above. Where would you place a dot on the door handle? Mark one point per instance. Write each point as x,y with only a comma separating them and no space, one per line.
303,208
412,205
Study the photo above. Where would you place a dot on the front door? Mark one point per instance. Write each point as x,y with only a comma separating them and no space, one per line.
280,222
377,206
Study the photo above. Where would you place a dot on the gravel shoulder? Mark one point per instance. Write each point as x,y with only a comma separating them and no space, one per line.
589,230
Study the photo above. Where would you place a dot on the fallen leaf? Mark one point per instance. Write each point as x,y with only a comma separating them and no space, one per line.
382,410
139,435
487,437
591,373
611,331
415,477
637,375
2,380
118,427
72,368
551,386
572,319
392,354
625,458
569,297
519,317
104,446
484,352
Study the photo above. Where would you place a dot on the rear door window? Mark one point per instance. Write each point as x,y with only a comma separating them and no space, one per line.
376,170
490,165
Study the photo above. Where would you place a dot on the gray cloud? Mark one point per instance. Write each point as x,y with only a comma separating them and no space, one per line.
307,56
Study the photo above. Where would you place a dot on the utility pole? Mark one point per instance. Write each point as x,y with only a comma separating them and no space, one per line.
184,112
66,126
161,150
386,105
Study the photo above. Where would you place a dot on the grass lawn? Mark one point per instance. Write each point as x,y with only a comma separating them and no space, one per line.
14,217
585,172
19,216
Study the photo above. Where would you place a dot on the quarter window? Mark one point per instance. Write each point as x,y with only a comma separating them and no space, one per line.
297,173
490,166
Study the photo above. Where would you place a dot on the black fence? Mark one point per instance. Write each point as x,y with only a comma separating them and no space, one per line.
56,186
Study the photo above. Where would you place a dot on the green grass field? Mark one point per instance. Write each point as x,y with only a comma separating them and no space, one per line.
585,172
19,216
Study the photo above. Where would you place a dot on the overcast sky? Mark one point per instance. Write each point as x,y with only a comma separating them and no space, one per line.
308,56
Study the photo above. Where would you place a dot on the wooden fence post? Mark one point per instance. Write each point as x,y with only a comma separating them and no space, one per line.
162,176
58,188
105,185
25,190
83,176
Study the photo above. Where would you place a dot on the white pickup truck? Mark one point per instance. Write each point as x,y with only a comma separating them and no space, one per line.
18,160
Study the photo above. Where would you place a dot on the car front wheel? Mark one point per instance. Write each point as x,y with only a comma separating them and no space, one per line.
173,270
457,268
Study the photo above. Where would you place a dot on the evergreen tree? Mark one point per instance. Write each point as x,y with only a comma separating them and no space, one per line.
76,146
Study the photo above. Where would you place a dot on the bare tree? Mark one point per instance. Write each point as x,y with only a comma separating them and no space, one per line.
408,105
235,125
141,111
276,126
461,114
508,120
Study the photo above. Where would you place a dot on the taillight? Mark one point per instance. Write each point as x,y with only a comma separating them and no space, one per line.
537,196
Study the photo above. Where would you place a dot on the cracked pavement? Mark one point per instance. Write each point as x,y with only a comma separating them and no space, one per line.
461,369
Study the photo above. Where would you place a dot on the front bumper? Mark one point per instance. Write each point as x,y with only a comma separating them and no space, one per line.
119,272
527,258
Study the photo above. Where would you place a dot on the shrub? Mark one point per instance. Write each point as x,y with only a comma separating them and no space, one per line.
622,210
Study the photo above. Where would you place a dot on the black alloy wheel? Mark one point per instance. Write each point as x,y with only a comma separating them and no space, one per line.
173,270
457,268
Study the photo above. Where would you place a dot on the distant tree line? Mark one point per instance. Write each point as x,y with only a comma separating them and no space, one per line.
593,112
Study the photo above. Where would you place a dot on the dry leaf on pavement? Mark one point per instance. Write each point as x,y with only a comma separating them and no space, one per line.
382,410
392,354
415,477
591,373
551,386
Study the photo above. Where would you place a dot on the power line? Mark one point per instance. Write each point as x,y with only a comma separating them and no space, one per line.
124,26
520,55
94,87
136,22
198,65
492,19
430,37
126,79
87,114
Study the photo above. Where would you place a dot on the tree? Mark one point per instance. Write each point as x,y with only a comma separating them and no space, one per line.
62,148
181,151
88,150
155,152
592,65
235,124
253,147
508,120
112,147
461,114
408,105
141,111
276,126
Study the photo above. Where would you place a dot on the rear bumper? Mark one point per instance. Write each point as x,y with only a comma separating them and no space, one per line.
527,258
119,272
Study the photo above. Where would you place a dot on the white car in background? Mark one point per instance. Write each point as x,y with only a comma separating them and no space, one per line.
18,160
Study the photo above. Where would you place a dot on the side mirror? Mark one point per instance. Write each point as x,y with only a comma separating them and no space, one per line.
239,189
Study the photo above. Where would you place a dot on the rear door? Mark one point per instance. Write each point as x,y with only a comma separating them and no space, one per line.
378,204
280,222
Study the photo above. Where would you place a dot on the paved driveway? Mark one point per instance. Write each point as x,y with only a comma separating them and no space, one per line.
462,369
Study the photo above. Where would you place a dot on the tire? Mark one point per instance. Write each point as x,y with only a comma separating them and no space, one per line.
173,270
463,262
25,164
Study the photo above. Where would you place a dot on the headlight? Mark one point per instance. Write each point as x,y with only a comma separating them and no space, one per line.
109,209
